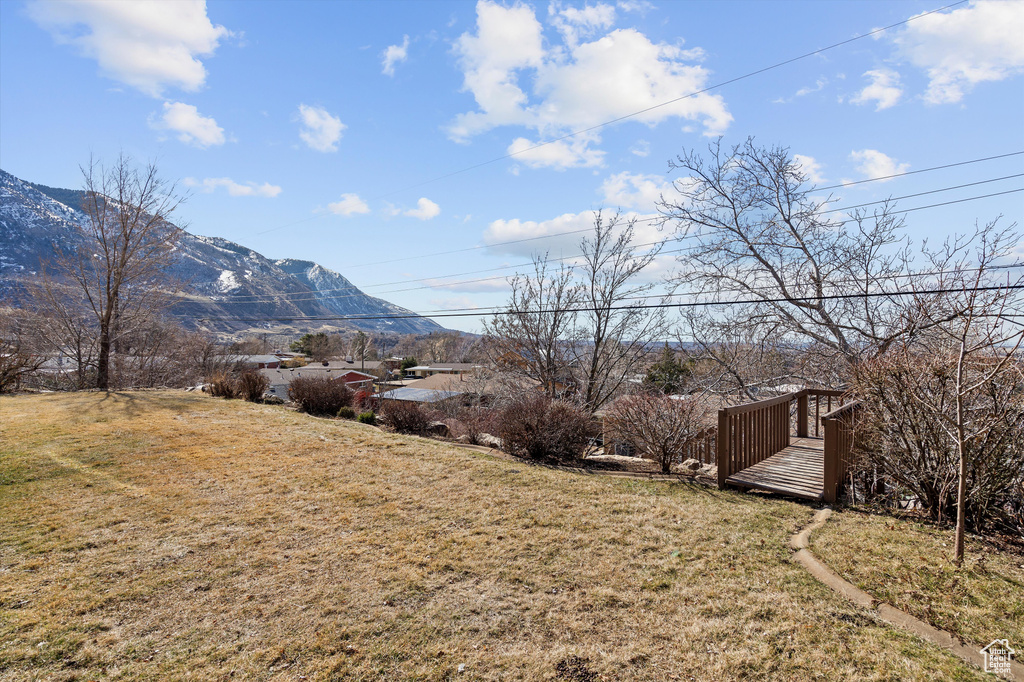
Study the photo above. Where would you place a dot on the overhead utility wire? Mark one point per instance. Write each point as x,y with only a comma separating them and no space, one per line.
928,273
921,194
488,279
677,99
644,111
570,232
914,172
586,309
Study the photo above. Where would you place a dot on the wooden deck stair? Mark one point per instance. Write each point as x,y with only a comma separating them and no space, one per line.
798,471
756,446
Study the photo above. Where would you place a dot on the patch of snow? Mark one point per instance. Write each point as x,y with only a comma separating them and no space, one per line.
227,281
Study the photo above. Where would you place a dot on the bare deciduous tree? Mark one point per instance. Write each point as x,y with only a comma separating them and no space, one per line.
585,328
761,235
977,326
128,245
528,338
945,405
612,340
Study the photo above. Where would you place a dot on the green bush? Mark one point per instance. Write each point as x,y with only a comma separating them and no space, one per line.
367,418
347,413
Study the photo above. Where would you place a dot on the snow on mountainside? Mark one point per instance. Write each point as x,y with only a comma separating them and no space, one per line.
223,282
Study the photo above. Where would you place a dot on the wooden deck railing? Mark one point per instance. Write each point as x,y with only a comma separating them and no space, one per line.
751,433
839,430
702,446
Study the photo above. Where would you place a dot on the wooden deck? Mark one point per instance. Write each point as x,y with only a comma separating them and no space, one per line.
798,471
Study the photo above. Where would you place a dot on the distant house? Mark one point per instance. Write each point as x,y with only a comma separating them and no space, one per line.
419,395
280,379
256,361
423,371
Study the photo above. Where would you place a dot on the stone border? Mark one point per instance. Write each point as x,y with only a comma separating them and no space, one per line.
800,541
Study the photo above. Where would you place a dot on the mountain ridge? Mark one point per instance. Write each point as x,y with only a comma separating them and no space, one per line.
225,284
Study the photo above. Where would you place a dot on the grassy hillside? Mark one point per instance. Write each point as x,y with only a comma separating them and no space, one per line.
909,565
158,535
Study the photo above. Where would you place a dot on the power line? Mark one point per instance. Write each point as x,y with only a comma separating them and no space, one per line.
585,309
709,88
922,170
926,273
921,194
647,220
312,296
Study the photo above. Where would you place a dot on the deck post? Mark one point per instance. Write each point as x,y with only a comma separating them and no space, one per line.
831,460
801,414
722,441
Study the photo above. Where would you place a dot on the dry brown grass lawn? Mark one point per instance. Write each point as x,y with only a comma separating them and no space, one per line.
162,535
909,565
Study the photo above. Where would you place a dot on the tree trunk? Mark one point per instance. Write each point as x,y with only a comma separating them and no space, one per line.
103,365
961,504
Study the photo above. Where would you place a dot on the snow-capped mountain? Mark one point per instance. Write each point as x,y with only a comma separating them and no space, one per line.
225,285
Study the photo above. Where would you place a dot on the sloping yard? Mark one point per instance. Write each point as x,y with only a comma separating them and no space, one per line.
162,535
909,565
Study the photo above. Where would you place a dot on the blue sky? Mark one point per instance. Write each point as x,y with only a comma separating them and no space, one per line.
354,133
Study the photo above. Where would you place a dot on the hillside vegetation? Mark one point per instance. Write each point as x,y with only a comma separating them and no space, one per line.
161,535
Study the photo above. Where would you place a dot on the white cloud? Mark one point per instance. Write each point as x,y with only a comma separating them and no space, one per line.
884,89
395,54
146,44
425,210
872,163
818,86
350,204
192,127
235,189
641,148
575,85
959,49
559,236
574,22
561,244
642,192
572,153
809,167
320,131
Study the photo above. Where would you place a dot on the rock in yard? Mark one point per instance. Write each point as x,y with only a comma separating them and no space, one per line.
438,429
691,465
489,440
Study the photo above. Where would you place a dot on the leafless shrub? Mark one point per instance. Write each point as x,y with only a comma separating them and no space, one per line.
536,426
404,417
223,385
320,395
472,423
659,426
15,365
905,443
252,384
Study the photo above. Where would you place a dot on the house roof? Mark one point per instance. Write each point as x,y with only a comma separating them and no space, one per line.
418,395
285,376
264,359
445,367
